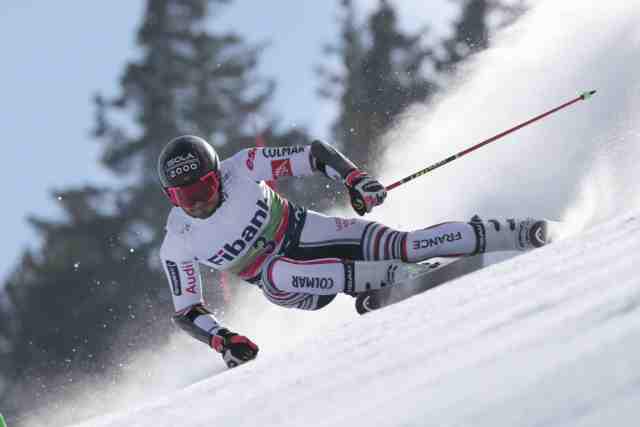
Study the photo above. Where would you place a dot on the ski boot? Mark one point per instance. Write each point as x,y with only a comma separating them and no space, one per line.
510,234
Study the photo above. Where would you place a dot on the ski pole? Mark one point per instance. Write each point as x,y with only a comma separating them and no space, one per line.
582,97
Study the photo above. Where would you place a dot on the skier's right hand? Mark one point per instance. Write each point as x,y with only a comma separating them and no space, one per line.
235,349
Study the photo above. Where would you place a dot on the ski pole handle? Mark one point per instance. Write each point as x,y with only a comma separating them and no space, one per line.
583,97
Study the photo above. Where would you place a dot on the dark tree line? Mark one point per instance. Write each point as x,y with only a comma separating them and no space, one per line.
93,294
381,75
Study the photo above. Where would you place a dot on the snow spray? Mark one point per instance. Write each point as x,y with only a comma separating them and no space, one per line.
574,166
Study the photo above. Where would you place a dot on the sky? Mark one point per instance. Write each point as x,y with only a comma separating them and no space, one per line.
545,338
61,54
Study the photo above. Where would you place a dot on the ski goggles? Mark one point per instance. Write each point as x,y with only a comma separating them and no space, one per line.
202,190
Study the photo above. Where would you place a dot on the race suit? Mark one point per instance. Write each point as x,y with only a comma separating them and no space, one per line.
296,256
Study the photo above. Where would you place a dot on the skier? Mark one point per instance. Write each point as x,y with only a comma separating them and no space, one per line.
227,218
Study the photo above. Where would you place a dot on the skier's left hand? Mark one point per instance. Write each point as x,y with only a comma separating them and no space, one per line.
235,349
365,192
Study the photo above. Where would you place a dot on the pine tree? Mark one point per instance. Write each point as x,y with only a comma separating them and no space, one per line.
382,74
472,29
94,292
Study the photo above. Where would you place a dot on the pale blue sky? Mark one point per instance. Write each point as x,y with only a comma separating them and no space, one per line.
57,54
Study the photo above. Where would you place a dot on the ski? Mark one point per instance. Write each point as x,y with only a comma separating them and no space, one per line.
438,272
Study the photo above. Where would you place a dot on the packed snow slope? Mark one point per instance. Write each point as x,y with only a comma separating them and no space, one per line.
549,338
546,338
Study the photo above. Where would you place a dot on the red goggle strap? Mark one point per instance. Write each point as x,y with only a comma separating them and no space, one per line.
171,195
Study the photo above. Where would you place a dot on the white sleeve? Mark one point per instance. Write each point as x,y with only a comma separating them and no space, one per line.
269,163
183,273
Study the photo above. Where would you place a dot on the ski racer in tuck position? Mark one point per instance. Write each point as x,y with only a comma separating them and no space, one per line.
227,218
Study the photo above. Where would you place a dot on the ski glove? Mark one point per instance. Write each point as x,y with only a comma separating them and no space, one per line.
235,349
365,192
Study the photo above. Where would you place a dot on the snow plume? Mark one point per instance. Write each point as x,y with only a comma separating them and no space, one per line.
573,165
152,374
141,375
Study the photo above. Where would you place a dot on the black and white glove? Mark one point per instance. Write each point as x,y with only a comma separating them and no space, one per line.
365,192
235,349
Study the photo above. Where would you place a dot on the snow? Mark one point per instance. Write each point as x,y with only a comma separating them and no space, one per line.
546,338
